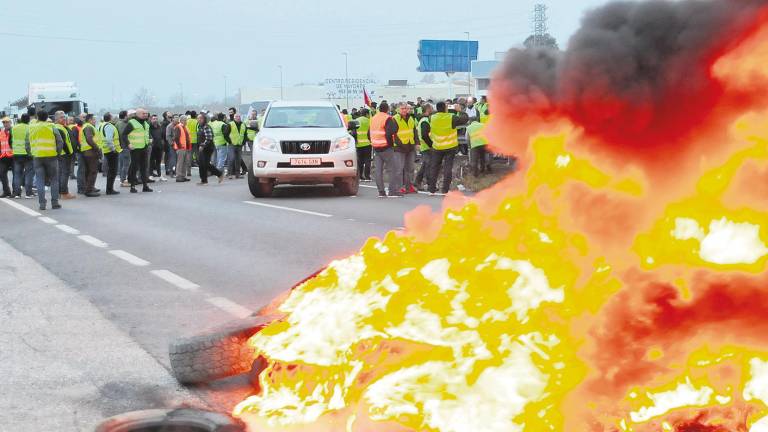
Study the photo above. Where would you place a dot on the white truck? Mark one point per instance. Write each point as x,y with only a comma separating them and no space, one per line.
56,96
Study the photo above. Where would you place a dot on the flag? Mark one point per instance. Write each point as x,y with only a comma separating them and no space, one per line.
366,97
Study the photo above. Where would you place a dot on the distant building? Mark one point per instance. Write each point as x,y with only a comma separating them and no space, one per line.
482,71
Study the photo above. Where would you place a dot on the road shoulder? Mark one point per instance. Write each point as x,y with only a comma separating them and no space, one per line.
64,365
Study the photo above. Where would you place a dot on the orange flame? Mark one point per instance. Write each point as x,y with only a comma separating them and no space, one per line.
585,295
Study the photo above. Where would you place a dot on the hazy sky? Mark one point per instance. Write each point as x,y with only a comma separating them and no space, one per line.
111,49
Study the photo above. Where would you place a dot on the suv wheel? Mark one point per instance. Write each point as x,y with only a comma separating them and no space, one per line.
259,189
348,186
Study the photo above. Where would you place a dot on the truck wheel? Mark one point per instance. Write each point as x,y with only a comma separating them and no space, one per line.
348,186
188,420
217,354
259,189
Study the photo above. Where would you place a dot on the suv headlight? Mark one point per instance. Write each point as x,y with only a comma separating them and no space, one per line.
268,144
341,143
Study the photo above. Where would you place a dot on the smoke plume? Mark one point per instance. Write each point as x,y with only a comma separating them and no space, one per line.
638,76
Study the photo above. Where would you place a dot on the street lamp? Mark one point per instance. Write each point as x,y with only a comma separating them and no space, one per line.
281,81
469,69
225,91
346,76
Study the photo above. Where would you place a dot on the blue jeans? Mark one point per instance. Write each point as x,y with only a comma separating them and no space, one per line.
81,171
47,169
123,162
23,169
221,157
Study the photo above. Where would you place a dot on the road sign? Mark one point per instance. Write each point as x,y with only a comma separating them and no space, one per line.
446,55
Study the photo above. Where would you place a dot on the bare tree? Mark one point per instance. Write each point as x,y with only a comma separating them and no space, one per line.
143,98
546,41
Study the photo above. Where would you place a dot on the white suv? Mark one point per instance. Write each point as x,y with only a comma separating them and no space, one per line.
303,143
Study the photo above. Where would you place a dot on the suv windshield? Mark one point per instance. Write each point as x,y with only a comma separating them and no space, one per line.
303,117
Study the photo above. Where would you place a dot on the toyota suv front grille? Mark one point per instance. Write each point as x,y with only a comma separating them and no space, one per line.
305,147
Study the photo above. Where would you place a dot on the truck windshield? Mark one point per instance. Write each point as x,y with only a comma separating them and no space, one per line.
303,117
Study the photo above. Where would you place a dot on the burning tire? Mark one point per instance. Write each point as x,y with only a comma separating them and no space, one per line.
218,354
187,420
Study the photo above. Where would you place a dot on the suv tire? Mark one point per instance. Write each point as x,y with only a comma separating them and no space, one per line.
185,419
348,186
259,189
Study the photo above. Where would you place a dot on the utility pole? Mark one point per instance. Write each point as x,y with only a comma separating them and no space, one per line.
225,91
469,69
346,77
181,87
281,81
539,24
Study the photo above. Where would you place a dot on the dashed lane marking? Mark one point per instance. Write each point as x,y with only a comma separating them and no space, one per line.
67,229
176,280
47,220
325,215
130,258
230,307
21,208
93,241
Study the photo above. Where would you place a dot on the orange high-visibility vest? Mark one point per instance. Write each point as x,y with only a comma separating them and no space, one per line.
378,130
182,138
5,145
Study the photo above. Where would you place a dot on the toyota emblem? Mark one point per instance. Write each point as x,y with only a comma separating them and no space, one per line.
305,147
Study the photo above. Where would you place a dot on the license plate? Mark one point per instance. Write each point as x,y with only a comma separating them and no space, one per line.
306,162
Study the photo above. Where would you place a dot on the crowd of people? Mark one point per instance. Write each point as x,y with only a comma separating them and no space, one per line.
135,147
44,151
389,137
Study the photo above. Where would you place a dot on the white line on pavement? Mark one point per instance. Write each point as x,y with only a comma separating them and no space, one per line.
175,280
20,207
289,209
229,307
130,258
47,220
67,229
93,241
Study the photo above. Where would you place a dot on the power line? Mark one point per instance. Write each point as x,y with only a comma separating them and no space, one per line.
68,38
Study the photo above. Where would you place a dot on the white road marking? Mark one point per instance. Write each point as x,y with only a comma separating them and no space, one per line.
175,280
47,220
289,209
352,220
230,307
20,207
130,258
93,241
67,229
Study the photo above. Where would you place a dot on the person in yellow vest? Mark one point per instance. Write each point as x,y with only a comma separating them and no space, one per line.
445,145
363,144
237,135
23,169
405,146
383,131
66,156
220,139
192,128
45,144
90,146
425,148
110,146
6,157
253,129
477,146
136,134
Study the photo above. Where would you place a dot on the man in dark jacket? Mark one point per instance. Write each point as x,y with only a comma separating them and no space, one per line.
157,135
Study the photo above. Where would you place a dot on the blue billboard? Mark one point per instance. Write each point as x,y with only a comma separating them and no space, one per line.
446,55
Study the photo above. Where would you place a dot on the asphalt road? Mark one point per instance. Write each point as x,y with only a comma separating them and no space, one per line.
184,258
